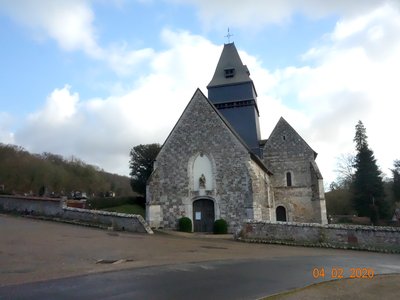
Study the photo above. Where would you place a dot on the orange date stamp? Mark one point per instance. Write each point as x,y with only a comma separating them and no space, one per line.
339,273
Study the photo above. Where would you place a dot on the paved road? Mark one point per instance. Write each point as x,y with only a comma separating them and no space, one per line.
245,279
194,268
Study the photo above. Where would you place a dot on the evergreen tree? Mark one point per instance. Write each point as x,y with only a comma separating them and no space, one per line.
396,180
361,136
367,186
141,165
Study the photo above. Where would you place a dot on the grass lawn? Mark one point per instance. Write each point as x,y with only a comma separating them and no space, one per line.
127,209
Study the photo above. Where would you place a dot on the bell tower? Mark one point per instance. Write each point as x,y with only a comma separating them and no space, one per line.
232,92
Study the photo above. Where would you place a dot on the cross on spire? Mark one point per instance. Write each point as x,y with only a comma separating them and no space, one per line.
229,36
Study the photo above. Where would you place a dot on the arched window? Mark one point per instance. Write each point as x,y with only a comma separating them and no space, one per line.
281,214
288,179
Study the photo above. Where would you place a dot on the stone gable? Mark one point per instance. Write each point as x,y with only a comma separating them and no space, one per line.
285,143
286,151
201,131
302,195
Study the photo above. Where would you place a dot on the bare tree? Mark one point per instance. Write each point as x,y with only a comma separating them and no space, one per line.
345,170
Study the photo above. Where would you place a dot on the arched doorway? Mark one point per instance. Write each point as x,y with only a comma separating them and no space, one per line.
203,215
281,214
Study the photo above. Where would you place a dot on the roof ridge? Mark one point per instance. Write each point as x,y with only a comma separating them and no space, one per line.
253,156
230,127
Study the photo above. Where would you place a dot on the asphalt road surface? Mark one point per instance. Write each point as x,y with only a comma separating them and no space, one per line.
248,279
42,260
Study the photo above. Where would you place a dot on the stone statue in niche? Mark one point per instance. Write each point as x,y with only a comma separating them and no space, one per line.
202,181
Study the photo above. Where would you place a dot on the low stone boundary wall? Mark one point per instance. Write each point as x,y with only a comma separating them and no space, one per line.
118,221
31,205
357,237
56,208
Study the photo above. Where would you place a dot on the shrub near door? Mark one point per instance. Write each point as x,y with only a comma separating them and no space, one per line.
220,227
185,224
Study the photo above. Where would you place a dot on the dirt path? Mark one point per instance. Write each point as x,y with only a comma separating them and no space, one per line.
381,287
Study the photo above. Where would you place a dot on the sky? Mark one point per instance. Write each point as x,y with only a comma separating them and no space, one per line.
92,79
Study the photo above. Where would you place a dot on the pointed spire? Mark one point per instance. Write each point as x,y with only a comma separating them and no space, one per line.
230,69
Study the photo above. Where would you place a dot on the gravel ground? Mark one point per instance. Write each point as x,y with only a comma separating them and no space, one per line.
381,287
34,250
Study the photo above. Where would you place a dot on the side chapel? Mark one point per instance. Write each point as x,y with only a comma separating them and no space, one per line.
214,164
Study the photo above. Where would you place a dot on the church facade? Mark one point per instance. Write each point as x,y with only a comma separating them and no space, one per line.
214,165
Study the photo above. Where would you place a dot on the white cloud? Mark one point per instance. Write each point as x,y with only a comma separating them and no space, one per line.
6,136
351,75
353,78
123,61
70,24
256,13
102,131
61,106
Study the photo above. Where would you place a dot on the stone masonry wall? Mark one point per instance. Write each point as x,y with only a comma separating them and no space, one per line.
297,202
200,130
384,239
286,151
318,195
263,202
56,208
31,205
116,221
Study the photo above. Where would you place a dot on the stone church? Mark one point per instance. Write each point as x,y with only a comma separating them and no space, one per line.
214,164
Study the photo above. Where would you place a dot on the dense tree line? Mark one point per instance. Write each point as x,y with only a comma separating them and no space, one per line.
24,173
360,188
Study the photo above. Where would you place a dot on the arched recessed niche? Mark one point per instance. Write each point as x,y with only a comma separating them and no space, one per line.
202,173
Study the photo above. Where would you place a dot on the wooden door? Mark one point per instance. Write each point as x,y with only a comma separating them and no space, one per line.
203,215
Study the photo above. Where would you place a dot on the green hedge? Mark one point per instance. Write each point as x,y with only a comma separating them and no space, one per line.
220,226
128,209
100,202
185,224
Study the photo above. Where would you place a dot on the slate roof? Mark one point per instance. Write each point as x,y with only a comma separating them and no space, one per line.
253,156
230,59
